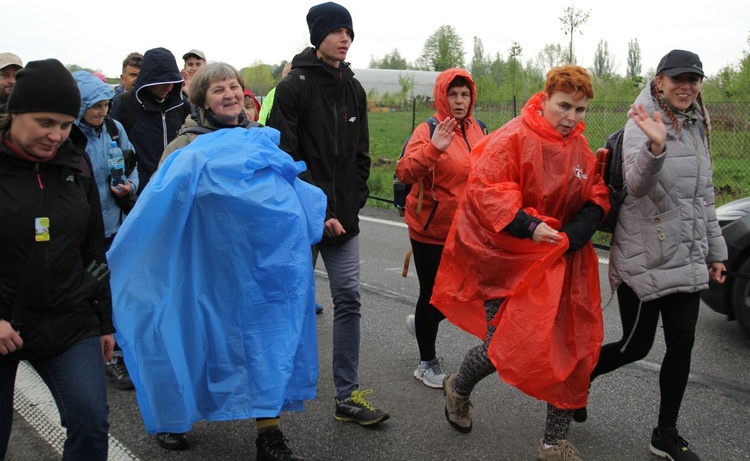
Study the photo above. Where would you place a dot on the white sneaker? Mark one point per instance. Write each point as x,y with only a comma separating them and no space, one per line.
430,373
410,325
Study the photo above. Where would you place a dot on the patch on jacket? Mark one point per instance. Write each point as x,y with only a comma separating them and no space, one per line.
579,172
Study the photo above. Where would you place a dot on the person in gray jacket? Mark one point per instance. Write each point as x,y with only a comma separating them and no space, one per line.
667,243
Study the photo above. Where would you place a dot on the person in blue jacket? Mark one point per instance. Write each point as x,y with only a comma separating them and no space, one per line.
95,101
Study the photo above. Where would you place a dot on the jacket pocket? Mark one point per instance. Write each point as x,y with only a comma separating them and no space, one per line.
661,236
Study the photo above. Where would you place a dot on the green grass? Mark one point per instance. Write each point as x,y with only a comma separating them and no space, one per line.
388,130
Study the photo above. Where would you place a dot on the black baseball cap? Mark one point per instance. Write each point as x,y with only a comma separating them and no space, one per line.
680,62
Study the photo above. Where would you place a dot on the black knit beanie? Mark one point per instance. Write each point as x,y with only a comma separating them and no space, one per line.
323,18
45,86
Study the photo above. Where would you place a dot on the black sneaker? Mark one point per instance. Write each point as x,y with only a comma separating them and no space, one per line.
358,409
116,369
667,443
174,442
271,446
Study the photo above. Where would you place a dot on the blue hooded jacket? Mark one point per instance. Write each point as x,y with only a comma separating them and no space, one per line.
213,281
92,91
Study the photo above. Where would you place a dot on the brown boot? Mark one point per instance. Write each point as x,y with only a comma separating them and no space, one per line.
457,407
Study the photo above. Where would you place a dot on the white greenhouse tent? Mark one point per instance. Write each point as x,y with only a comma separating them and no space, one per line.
386,81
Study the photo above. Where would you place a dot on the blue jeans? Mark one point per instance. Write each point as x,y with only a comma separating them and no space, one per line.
76,380
342,265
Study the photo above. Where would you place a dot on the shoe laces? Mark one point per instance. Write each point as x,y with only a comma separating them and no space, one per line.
360,397
567,451
119,364
434,365
676,438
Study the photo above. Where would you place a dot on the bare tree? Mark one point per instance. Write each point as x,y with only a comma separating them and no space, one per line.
573,19
552,55
634,60
514,52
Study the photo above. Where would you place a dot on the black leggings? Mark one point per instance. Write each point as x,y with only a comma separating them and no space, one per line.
679,315
427,317
477,366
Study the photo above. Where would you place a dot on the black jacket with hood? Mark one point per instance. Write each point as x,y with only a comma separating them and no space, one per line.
154,124
321,112
61,302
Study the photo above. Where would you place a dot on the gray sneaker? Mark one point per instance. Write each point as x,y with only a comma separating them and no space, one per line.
457,407
430,373
410,325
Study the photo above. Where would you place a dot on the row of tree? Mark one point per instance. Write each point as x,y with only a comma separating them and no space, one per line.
500,79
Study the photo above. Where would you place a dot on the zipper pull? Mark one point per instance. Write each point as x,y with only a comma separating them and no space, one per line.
38,177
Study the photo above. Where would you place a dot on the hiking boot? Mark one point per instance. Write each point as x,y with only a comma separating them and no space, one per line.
457,407
175,442
563,451
271,446
358,409
580,415
667,443
410,325
116,369
430,373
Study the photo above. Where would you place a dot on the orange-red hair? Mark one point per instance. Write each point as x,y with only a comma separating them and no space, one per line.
569,79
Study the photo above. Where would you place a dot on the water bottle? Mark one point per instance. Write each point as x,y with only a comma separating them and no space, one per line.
116,164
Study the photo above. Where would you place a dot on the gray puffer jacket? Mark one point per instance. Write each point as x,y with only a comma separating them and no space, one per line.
667,229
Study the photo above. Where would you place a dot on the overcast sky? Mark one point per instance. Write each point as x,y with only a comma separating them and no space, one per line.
99,34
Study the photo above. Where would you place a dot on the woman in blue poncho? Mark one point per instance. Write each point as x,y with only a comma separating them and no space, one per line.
217,315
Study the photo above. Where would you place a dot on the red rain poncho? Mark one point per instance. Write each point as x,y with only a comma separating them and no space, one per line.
549,329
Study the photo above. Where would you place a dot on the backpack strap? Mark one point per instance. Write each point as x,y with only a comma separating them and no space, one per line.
483,126
112,130
197,130
432,122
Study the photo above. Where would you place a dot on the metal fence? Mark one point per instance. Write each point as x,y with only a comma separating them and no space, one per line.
730,134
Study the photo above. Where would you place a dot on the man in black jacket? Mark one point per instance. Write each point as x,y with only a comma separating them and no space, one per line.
321,111
153,111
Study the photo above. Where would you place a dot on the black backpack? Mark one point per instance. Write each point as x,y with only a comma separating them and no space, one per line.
401,190
127,202
609,163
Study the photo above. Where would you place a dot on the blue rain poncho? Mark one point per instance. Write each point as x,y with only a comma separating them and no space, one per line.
213,283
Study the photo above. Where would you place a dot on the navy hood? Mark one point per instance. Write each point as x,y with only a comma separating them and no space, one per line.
159,67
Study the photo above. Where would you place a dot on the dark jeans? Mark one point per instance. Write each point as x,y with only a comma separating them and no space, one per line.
76,380
342,265
427,317
679,315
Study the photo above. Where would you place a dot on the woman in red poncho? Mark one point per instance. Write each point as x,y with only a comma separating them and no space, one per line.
518,269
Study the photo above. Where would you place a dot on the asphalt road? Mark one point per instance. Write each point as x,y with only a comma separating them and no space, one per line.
715,416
